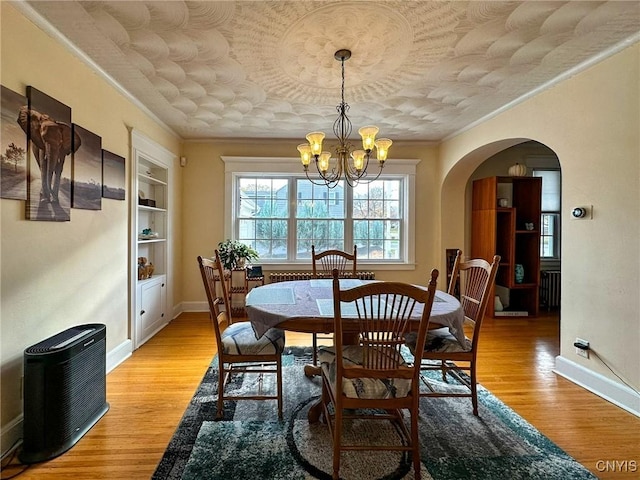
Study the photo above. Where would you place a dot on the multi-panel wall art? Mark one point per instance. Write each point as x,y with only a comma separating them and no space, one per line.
47,123
86,189
13,147
113,176
50,162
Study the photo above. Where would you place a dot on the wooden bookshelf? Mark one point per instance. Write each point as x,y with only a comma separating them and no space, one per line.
502,230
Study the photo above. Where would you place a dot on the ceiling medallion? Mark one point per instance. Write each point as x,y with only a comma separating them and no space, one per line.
350,165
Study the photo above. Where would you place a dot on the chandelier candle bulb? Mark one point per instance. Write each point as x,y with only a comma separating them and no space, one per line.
315,142
368,135
323,162
305,154
358,159
382,148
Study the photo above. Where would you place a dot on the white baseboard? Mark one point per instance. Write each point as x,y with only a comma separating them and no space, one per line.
194,307
616,393
119,354
12,432
12,435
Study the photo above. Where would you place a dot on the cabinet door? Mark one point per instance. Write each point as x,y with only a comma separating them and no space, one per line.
151,316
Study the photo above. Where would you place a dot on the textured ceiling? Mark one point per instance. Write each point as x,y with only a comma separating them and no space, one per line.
420,70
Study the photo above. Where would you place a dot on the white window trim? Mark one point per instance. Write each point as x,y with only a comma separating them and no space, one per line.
236,166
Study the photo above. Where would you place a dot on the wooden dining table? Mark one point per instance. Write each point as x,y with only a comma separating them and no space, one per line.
307,306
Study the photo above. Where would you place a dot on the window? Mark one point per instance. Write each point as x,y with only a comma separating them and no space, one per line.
550,221
282,214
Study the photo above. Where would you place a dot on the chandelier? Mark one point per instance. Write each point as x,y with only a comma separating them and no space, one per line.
348,164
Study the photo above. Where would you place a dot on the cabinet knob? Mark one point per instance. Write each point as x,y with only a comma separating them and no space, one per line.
142,312
163,284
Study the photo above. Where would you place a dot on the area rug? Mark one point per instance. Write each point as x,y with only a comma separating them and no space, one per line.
250,443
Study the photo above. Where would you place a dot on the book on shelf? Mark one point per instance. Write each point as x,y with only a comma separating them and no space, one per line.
512,313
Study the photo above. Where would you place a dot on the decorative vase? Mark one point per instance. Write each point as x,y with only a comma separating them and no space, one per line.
497,304
517,170
519,273
240,263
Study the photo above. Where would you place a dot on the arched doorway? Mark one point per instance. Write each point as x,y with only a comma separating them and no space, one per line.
494,160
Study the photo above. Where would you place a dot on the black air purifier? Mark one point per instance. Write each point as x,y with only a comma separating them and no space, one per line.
64,390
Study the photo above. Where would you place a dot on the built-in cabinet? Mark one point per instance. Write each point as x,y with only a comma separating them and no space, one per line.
151,239
506,215
152,300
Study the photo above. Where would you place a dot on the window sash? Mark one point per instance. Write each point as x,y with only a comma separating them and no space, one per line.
549,236
550,218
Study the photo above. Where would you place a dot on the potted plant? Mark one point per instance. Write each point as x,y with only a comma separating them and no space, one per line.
234,254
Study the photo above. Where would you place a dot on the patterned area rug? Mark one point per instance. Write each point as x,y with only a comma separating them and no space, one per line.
250,443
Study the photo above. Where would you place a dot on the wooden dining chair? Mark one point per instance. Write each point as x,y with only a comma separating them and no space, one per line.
239,351
371,380
442,350
323,264
221,287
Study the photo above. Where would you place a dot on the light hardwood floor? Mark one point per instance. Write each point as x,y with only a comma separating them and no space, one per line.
149,393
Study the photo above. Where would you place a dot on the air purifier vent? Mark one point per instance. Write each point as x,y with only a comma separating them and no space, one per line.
64,390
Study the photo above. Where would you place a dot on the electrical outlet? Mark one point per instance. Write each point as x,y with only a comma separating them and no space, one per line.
580,351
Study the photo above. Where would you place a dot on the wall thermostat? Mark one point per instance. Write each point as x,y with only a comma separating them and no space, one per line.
579,212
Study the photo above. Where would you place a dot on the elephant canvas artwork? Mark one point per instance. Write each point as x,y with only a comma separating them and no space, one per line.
86,187
113,176
47,123
13,147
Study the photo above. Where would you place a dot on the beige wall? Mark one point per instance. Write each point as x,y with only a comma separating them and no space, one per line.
592,123
58,274
204,207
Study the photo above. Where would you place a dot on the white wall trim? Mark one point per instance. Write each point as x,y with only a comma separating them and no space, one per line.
616,393
401,168
12,434
119,354
195,307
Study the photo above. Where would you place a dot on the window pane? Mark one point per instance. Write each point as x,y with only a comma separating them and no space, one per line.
376,230
392,250
268,208
548,239
315,201
320,213
261,202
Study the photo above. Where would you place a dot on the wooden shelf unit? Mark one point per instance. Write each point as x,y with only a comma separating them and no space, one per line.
238,285
150,209
502,231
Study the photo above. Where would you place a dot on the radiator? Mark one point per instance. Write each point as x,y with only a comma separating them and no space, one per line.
288,276
64,390
550,288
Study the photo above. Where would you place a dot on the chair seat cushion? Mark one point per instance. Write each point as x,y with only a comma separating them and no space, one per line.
367,388
439,340
240,339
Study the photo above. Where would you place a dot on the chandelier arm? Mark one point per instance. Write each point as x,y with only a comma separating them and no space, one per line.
336,172
362,180
353,173
324,183
363,177
334,176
